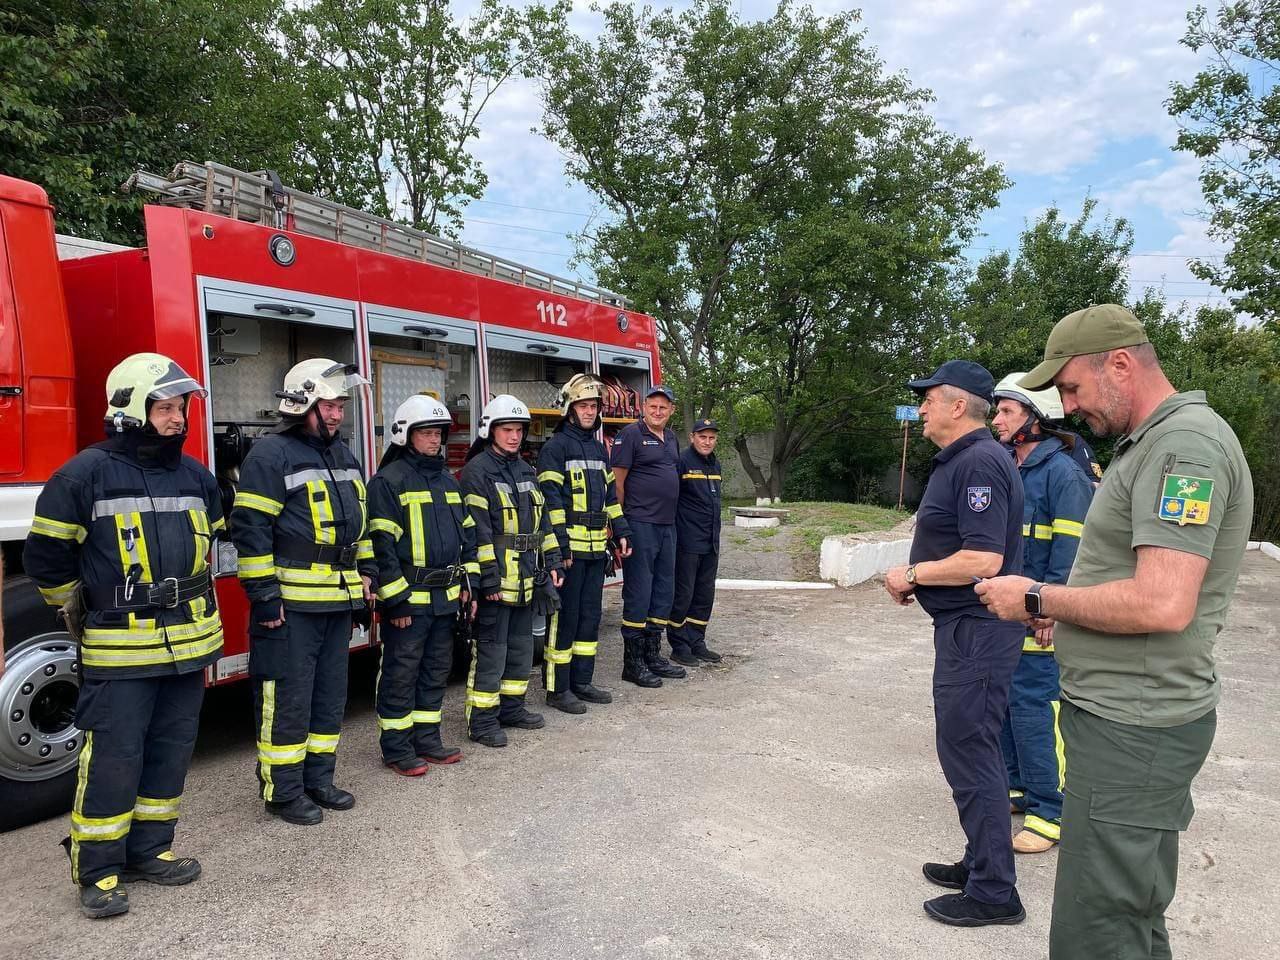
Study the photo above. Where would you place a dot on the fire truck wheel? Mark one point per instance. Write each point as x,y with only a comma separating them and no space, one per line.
39,741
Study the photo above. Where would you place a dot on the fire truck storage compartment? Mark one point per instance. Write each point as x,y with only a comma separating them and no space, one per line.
533,368
416,353
255,337
625,374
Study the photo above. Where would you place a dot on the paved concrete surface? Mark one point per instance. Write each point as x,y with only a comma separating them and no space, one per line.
776,806
761,554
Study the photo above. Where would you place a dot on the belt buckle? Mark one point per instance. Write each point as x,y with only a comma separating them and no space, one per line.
165,585
347,556
526,543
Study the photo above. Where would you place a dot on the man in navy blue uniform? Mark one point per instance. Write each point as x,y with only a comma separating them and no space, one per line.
645,460
968,527
697,547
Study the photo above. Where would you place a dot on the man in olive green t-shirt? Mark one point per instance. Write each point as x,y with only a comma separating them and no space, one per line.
1135,627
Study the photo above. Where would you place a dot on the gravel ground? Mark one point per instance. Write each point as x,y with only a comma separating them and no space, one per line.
778,805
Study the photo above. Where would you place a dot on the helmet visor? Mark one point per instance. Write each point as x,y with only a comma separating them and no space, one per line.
177,388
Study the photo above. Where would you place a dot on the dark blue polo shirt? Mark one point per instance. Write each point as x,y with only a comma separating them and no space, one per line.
973,502
652,487
698,512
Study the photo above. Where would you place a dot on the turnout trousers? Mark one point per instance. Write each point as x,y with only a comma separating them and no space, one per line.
500,664
648,580
412,676
573,633
138,738
974,660
1032,747
695,593
1128,796
298,713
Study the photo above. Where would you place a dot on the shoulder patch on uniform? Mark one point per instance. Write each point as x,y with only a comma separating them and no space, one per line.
1185,499
979,498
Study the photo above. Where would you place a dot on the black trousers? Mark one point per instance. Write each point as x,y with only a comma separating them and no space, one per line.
695,595
974,660
500,663
138,738
412,677
298,714
573,635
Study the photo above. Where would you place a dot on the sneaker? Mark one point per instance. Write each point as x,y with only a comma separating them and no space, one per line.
409,767
165,869
332,798
300,810
683,656
953,876
705,653
961,910
1027,841
105,898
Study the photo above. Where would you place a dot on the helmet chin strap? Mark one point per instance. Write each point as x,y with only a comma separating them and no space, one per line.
322,430
1024,433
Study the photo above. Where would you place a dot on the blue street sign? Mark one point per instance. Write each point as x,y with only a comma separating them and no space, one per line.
906,413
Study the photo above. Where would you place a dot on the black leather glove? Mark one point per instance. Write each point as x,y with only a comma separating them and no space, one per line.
402,609
546,599
264,611
362,617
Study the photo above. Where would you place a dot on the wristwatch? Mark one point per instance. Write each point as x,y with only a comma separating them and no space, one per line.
910,575
1032,600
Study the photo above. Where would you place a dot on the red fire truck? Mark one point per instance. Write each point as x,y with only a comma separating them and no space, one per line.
239,279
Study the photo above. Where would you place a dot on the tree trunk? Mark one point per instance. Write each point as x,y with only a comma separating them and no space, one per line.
749,465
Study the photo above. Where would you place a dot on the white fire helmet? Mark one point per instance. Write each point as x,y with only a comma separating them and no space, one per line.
419,411
141,377
318,379
581,386
503,408
1045,404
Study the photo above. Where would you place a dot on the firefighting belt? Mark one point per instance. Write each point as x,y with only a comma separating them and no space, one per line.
519,542
140,595
434,576
301,550
592,521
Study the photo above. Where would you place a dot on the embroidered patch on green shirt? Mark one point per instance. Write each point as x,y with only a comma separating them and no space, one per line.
1185,499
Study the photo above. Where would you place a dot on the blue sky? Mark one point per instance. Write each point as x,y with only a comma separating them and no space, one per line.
1068,97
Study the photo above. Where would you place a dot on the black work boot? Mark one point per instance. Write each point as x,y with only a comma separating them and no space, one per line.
300,810
953,876
656,662
431,749
703,652
592,694
682,654
409,766
106,898
332,798
566,701
961,910
634,669
165,869
489,737
526,719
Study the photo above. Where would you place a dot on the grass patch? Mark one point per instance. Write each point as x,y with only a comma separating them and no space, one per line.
812,522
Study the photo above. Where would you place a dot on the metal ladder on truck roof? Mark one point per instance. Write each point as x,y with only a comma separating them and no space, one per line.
259,197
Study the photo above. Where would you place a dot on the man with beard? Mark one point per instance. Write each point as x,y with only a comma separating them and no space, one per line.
307,564
581,503
121,540
1134,628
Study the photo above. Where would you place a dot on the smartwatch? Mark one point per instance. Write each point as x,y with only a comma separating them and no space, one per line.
1032,600
910,575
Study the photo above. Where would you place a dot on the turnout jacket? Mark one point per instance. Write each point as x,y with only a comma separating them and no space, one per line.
299,499
1056,495
503,497
418,524
574,475
698,509
120,527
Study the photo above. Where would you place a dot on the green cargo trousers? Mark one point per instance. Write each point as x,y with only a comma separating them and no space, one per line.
1128,794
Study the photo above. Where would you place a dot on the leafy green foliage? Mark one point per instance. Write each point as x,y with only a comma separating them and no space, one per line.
1229,117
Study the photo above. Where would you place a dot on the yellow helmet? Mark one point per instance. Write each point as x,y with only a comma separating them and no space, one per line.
581,386
318,379
141,377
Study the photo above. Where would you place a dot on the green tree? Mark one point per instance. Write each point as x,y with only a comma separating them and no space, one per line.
1229,117
404,85
90,92
777,202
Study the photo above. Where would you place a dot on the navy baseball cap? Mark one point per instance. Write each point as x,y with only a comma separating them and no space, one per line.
700,425
965,374
658,388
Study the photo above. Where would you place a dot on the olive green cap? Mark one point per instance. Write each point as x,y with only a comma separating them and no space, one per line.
1096,329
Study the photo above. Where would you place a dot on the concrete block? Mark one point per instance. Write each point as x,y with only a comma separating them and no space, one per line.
739,520
1270,550
849,563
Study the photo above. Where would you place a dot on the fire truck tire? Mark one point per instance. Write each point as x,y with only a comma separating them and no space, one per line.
39,742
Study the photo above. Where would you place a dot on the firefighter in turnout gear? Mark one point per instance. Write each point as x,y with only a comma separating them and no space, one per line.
519,570
121,540
575,478
1057,495
307,564
424,543
697,547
